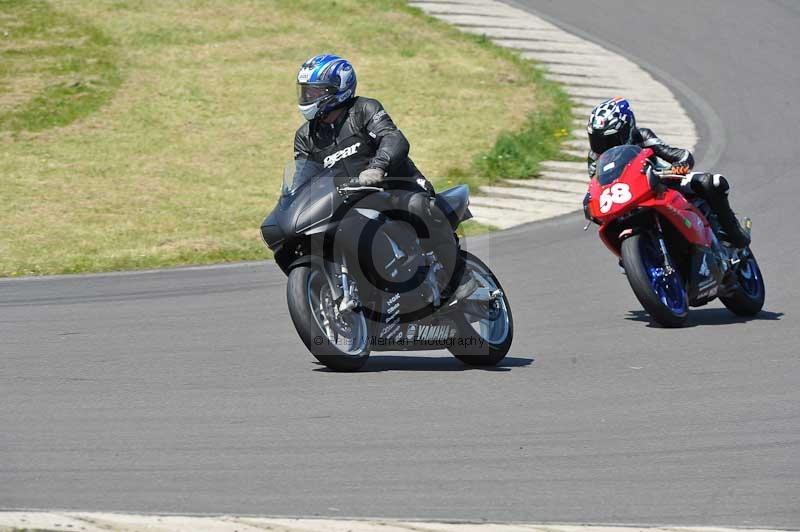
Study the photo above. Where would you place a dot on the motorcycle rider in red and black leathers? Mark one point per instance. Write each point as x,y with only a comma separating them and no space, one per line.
612,123
358,134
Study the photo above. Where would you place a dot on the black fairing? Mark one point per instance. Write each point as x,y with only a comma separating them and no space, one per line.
390,289
298,223
299,216
706,277
271,232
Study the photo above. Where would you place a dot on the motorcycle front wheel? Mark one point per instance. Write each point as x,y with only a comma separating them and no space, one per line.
338,339
660,290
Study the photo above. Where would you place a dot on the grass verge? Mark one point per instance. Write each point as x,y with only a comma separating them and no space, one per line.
155,135
55,67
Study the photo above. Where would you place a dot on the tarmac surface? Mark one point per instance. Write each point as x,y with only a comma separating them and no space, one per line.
188,391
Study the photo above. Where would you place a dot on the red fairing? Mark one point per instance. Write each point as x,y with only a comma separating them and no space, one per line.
623,194
684,216
632,191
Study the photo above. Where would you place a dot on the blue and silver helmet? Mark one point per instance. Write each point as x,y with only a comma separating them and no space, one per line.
324,82
611,124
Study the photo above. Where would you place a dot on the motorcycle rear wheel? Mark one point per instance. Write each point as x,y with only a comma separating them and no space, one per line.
662,295
748,299
340,342
483,342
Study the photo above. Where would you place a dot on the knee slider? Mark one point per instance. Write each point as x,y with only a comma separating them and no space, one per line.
720,184
708,184
702,184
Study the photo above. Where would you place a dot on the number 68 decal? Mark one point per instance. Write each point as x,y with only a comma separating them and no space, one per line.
617,193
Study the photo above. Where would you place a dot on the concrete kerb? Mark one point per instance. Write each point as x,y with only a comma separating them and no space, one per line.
589,74
118,522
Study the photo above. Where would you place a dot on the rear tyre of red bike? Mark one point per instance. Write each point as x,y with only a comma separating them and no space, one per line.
660,291
748,299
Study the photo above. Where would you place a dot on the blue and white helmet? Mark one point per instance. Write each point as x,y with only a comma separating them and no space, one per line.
324,82
611,124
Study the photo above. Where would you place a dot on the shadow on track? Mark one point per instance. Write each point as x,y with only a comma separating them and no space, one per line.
378,363
707,316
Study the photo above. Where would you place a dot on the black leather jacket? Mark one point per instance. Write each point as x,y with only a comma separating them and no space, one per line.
664,155
364,136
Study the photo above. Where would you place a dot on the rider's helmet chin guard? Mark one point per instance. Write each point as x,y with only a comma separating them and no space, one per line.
324,82
611,124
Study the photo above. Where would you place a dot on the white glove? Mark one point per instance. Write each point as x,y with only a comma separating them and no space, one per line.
371,176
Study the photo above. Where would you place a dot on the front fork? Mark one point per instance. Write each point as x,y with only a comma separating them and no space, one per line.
349,299
668,269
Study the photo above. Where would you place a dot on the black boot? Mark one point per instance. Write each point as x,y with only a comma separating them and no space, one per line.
734,233
458,283
714,189
441,240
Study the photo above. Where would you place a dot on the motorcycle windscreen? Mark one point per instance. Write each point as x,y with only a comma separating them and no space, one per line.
300,172
612,163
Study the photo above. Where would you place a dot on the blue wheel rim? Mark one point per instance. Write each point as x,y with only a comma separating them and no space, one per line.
667,286
750,278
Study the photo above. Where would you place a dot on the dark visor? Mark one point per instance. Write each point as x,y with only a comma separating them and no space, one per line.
307,94
600,143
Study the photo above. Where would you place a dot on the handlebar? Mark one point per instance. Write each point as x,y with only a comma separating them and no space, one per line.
349,189
670,177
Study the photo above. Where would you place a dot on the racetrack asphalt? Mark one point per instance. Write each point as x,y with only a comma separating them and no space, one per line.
188,390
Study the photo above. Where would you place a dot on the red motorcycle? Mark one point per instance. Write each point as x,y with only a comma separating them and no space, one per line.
668,244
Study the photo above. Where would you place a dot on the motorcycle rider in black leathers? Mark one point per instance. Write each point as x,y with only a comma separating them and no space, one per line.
612,123
359,135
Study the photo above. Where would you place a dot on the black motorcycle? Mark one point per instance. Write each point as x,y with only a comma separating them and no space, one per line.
359,281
